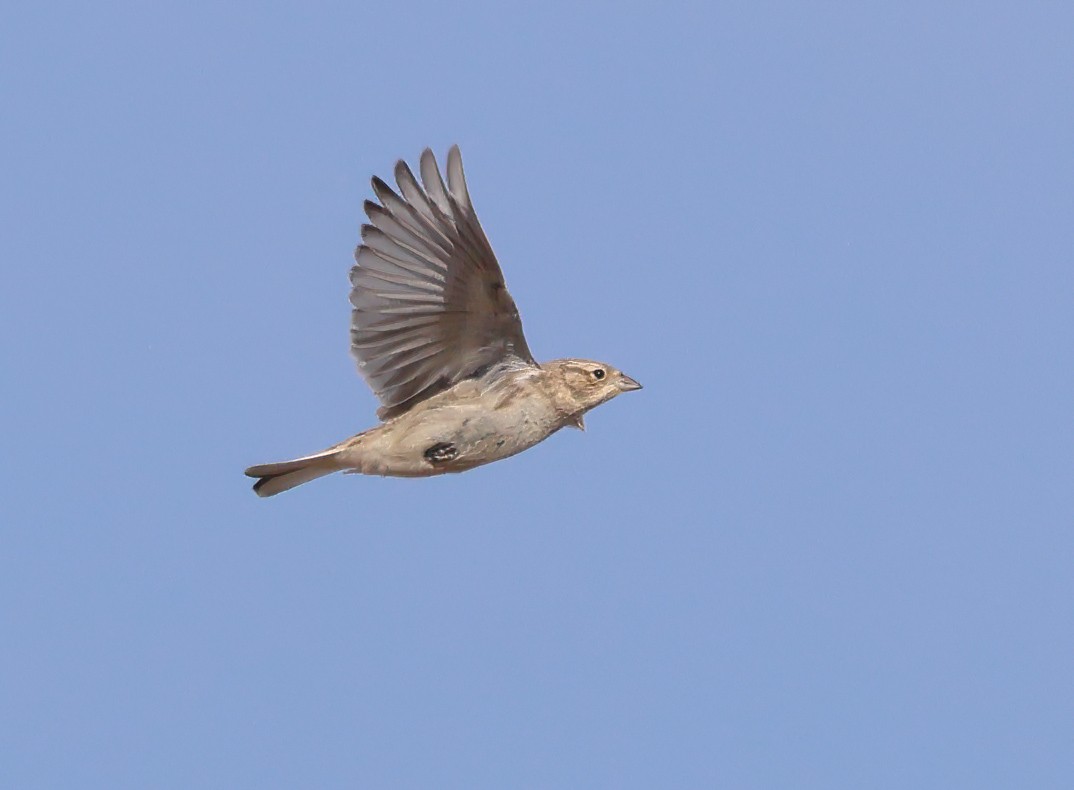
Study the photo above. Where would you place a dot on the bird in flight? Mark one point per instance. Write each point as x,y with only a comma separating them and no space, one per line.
438,338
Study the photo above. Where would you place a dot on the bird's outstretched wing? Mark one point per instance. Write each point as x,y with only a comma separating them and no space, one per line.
430,304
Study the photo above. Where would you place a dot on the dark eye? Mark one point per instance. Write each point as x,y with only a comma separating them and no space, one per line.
598,374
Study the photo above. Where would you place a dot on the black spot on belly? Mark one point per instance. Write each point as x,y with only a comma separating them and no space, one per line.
441,452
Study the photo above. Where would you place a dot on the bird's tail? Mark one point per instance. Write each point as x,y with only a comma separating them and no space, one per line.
276,478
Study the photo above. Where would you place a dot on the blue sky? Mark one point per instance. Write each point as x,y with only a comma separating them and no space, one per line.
829,545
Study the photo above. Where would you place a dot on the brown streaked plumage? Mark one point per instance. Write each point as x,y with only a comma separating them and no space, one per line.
438,338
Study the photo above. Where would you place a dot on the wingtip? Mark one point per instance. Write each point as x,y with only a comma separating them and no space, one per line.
456,177
427,155
371,208
380,185
454,159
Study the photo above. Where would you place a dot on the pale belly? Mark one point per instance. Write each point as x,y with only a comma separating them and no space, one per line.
453,439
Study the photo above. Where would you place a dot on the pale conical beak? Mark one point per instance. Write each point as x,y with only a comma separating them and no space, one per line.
626,384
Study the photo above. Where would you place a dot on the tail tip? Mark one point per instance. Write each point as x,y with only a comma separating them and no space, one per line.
259,487
277,478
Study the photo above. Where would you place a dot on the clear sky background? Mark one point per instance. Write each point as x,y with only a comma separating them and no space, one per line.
830,544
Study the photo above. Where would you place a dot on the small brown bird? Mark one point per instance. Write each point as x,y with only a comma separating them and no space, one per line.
437,337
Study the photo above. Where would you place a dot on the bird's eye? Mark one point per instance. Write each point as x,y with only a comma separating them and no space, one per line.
598,374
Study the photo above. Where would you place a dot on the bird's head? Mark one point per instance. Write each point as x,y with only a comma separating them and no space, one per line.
583,384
